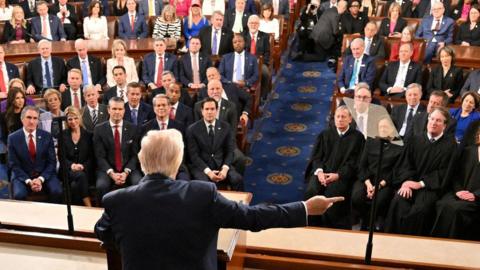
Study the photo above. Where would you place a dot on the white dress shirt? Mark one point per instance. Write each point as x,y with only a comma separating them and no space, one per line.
401,76
404,125
237,25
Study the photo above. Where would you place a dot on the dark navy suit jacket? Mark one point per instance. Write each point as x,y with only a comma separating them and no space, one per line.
12,71
249,6
56,28
144,114
250,72
140,29
184,114
185,68
173,224
366,73
148,66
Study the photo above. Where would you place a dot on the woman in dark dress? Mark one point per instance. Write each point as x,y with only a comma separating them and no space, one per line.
10,119
393,25
119,7
446,76
468,33
364,187
458,212
79,156
17,29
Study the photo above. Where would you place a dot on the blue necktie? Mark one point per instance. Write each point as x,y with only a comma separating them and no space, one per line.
238,71
47,75
134,116
84,72
214,45
353,79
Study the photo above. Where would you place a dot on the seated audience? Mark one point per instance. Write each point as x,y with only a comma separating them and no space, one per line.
210,146
46,71
468,33
393,25
89,65
466,114
104,6
279,8
53,101
132,25
116,149
364,188
120,89
193,66
194,22
178,110
17,29
155,63
181,7
269,24
10,119
137,112
437,29
73,94
236,19
333,167
8,71
425,8
354,21
208,7
93,113
246,75
95,24
446,76
408,36
168,26
216,39
461,11
68,17
46,26
406,7
31,158
458,211
120,58
419,178
374,45
402,115
472,83
150,8
356,68
5,10
399,74
119,8
18,83
78,145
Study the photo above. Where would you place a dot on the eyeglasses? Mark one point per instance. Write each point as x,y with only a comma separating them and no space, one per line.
355,6
362,97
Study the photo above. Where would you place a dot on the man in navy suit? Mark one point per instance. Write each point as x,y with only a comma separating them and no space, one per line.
93,113
132,25
8,72
116,149
31,158
189,77
155,63
236,20
472,83
402,115
249,6
437,29
356,68
144,7
120,89
239,67
216,39
46,71
46,26
173,224
137,112
178,111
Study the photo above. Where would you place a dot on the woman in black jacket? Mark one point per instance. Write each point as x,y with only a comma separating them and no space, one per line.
469,32
17,29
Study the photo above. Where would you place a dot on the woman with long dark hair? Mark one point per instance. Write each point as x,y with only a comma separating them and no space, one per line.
10,119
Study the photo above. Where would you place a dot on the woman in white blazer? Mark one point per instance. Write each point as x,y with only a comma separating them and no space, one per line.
120,58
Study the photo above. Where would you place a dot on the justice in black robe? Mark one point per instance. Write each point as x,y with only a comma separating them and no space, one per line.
334,154
457,218
424,161
368,170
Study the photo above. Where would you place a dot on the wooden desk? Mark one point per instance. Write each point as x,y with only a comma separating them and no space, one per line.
51,218
465,56
343,246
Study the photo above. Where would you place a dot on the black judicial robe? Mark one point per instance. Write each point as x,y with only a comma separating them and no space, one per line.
334,154
457,218
421,161
368,170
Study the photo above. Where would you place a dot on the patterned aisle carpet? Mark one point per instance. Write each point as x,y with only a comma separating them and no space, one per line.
283,140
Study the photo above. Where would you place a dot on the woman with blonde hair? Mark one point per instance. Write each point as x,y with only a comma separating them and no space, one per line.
120,58
168,26
17,29
194,22
78,144
53,101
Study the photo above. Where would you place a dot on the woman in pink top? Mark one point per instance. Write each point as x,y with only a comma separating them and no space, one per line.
460,13
393,24
182,7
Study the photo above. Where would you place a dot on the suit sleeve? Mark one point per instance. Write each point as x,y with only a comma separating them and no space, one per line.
145,68
14,161
229,147
100,151
61,31
383,84
103,227
193,150
132,162
222,68
449,38
370,73
341,76
122,33
254,78
144,29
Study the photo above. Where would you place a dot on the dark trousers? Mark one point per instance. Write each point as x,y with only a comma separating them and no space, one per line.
105,184
70,31
361,204
79,186
234,179
51,186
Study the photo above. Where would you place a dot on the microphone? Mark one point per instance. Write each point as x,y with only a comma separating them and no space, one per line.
34,37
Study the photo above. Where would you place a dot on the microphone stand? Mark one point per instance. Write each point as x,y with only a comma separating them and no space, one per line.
64,174
373,208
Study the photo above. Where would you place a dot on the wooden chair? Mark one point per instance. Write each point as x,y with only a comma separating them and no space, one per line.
112,25
22,70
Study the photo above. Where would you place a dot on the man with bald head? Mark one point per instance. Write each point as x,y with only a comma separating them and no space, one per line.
356,68
90,65
437,29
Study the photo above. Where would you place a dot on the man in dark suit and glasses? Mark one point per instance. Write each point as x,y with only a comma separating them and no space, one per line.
94,113
402,115
116,149
173,224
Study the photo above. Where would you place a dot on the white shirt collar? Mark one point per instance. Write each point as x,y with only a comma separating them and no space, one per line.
340,133
436,138
91,109
208,124
34,133
113,124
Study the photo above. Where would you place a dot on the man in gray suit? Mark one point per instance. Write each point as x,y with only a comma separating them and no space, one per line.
93,113
472,83
145,10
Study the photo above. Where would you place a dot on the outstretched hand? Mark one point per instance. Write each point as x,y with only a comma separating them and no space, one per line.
319,204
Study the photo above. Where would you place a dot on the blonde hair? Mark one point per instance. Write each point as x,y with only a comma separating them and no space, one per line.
161,152
75,70
50,92
171,9
76,112
16,80
190,16
116,43
12,20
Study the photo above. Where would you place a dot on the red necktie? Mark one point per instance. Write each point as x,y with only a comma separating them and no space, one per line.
163,125
172,113
117,150
159,71
31,148
132,23
76,102
253,45
44,27
3,88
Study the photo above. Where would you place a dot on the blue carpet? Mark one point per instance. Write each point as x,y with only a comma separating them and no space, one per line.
283,139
